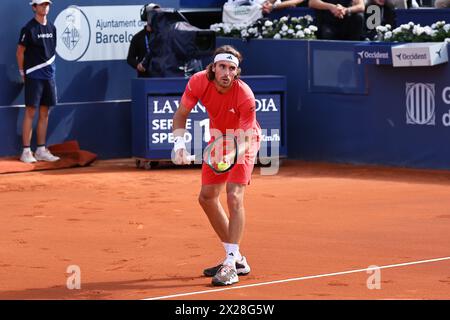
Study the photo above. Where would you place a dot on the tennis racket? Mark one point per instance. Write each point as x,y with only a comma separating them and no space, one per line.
221,154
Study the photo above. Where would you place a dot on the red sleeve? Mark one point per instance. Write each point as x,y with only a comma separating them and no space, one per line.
194,90
247,112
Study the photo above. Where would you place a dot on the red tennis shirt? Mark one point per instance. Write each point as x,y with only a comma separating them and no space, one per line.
234,109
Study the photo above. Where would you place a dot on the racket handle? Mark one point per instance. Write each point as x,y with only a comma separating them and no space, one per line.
191,157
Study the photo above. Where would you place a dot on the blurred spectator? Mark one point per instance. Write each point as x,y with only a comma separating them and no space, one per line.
339,19
442,4
387,12
242,11
270,5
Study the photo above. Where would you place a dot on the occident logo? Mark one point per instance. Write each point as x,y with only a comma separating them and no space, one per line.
74,33
373,55
420,103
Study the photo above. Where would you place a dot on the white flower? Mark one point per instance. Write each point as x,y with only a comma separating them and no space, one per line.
277,36
252,30
298,27
447,27
381,29
313,28
307,31
447,40
388,35
284,19
308,18
388,26
300,34
268,23
428,30
284,28
290,31
397,31
418,30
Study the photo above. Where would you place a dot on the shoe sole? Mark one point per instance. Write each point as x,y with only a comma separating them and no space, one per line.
240,272
222,284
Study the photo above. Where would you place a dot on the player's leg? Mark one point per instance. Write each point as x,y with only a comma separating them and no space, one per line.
33,93
27,132
210,203
228,272
235,201
41,130
48,99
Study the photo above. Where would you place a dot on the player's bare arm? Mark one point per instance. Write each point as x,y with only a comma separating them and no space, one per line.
179,128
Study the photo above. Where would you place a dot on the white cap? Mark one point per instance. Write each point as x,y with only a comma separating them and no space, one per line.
39,2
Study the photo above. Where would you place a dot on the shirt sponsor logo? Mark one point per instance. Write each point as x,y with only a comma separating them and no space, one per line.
45,35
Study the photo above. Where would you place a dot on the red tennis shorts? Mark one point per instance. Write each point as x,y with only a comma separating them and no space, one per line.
240,174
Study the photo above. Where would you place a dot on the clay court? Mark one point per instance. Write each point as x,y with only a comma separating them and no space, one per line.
312,230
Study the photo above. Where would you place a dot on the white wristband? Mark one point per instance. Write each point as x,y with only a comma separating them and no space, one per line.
178,143
21,73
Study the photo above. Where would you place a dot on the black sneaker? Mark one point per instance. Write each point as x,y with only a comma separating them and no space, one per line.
242,268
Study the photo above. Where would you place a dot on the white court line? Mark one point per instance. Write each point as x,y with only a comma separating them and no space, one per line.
298,279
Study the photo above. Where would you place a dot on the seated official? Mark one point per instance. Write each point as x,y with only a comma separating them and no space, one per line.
387,11
339,19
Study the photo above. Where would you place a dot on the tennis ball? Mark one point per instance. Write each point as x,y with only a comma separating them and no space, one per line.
222,166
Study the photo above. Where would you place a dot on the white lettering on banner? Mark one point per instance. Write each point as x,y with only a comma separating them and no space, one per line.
167,124
96,33
273,137
265,106
167,137
167,108
446,119
199,108
446,95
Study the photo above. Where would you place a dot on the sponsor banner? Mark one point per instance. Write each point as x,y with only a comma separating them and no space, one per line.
373,54
96,33
419,54
162,108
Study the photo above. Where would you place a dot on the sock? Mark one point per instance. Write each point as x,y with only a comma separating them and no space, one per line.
40,148
232,252
26,149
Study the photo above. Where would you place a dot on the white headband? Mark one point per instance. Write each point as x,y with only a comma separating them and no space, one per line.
226,57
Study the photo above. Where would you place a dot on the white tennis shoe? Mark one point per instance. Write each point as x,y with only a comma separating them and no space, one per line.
44,154
27,157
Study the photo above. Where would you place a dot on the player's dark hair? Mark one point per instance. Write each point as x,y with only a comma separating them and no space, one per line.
224,49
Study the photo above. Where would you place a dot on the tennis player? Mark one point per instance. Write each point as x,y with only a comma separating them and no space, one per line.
230,104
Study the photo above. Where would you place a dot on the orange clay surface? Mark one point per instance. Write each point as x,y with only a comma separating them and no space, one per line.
141,234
